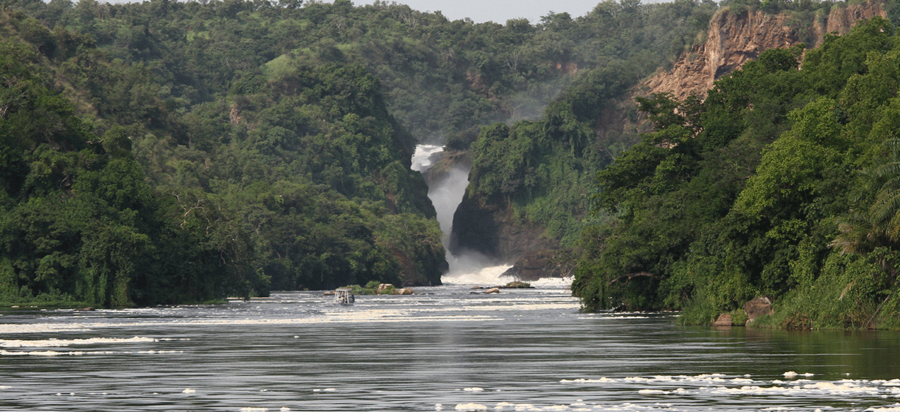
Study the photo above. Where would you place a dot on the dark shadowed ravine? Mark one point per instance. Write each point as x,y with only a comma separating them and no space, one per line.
444,349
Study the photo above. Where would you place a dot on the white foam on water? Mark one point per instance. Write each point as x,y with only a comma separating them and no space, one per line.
57,343
481,276
524,307
474,389
4,352
421,158
189,391
471,407
563,283
40,353
889,408
254,409
581,380
41,328
158,352
742,386
352,316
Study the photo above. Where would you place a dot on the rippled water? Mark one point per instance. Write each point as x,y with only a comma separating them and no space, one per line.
444,349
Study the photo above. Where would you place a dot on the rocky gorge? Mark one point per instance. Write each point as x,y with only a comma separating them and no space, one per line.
495,226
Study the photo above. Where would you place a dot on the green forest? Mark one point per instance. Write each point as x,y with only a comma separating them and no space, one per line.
166,152
179,152
782,183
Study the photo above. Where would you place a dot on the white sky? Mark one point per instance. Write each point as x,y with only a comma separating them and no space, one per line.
498,11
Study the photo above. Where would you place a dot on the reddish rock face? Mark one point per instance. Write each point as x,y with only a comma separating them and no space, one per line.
723,320
758,307
489,227
733,40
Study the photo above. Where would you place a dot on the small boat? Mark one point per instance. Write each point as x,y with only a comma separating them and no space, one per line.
344,296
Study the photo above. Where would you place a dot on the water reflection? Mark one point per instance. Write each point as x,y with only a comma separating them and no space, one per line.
444,349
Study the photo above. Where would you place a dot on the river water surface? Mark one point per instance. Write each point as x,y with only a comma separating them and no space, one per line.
443,349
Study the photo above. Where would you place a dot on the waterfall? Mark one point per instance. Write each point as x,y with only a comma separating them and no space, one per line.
446,193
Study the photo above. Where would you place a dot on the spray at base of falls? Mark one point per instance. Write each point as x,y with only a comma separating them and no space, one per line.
446,194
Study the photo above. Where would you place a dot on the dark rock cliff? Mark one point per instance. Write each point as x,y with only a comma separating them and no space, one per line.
491,229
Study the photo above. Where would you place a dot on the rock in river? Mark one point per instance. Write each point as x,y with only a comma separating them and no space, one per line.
723,320
758,307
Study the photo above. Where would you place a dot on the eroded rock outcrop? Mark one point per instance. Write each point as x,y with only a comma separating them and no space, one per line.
491,228
757,307
724,319
733,40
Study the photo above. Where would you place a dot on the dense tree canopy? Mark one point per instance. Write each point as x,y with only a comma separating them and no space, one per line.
779,184
117,192
163,152
266,145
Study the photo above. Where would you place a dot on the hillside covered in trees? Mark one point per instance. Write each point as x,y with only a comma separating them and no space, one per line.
781,183
168,152
777,183
165,152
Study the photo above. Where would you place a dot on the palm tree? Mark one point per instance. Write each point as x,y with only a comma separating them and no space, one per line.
861,231
885,213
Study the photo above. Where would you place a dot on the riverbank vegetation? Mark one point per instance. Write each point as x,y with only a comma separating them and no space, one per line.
173,152
782,183
132,177
163,152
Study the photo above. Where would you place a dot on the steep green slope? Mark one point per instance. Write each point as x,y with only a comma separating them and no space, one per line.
442,79
779,184
78,221
291,178
531,181
267,120
319,173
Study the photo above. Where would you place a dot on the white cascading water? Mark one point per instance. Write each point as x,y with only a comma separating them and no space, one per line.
446,195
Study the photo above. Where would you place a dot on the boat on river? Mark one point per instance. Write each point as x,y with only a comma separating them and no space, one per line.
344,296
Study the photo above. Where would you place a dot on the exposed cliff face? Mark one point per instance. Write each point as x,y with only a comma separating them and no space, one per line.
733,40
492,230
841,19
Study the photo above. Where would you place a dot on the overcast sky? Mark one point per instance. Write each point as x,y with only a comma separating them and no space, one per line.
498,11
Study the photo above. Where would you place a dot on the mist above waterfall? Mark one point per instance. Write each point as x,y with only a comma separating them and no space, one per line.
446,192
446,195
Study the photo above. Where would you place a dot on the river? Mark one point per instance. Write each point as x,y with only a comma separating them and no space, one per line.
445,348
